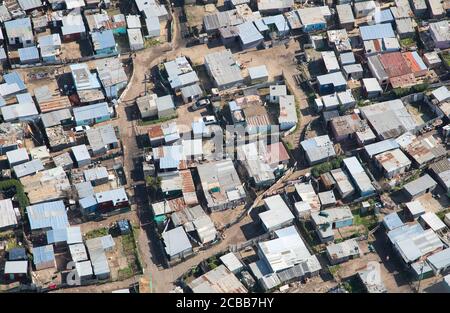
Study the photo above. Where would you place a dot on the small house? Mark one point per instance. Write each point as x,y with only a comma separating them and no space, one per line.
277,215
177,244
112,76
104,42
392,221
19,32
15,270
232,262
135,39
73,27
275,92
102,139
44,257
343,183
17,156
84,271
392,163
430,220
288,112
414,209
17,254
165,106
327,220
345,16
81,155
371,87
353,71
343,251
364,8
28,55
312,19
96,176
332,82
420,186
147,105
153,27
91,114
327,199
258,74
318,149
8,216
110,200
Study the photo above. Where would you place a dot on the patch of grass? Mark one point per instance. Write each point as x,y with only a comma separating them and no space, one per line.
411,178
125,273
408,42
369,221
325,167
11,243
442,213
334,270
151,43
157,121
446,57
129,249
289,145
99,232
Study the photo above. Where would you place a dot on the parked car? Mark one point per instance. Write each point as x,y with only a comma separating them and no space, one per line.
201,103
209,120
80,129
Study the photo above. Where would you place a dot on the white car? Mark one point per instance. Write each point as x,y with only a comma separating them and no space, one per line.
80,129
209,120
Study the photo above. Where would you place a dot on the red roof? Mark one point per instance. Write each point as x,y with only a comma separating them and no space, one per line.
394,64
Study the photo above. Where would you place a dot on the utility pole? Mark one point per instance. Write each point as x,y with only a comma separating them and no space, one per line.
145,84
420,277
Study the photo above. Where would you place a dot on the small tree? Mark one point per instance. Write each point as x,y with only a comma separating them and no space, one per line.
153,183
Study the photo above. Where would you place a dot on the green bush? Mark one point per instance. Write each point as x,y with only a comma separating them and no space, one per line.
325,167
20,193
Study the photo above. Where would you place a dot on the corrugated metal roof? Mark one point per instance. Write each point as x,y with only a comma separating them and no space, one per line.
47,215
28,168
70,235
318,148
78,252
392,221
16,267
93,111
359,176
378,31
43,254
218,280
383,16
7,214
336,79
440,260
17,155
176,241
433,221
28,53
81,153
96,173
248,33
277,214
116,196
285,251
